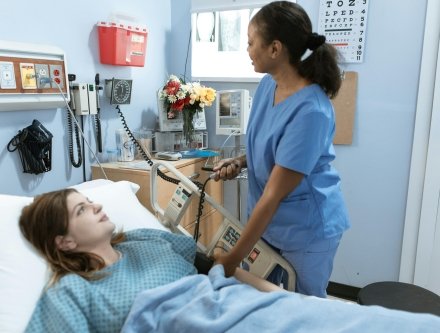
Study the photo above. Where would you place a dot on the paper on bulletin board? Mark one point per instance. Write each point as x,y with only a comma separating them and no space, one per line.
345,106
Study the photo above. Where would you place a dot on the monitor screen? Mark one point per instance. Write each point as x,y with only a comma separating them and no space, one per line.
232,111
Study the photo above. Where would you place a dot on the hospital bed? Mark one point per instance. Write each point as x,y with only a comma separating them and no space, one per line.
262,259
23,275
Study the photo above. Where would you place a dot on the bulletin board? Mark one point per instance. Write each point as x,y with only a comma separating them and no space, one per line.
345,106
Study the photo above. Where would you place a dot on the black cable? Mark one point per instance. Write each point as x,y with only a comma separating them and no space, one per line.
200,210
141,151
75,163
187,53
83,151
98,131
98,114
165,177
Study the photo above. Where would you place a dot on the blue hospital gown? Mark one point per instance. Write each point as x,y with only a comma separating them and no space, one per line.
150,258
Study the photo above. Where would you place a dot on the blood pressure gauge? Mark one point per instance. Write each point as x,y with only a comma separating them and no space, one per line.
118,90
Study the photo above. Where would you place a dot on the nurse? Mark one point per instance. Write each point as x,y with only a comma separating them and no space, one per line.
294,196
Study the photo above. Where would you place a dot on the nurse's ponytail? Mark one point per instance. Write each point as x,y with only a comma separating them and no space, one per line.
321,66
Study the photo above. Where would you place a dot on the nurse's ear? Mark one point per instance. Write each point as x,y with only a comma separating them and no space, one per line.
276,48
65,243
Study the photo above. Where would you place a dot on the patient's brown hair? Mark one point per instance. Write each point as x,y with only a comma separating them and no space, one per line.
47,217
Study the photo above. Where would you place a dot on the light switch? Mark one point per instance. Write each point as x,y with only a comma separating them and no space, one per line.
7,76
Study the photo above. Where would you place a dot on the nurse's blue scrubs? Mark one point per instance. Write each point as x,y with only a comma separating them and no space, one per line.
297,134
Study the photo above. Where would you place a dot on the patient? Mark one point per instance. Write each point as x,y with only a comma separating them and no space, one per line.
97,272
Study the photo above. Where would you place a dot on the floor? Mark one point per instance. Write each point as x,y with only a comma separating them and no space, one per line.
340,299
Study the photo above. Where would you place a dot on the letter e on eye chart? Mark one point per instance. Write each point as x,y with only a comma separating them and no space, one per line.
344,24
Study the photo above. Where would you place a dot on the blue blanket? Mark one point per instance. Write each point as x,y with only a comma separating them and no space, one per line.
214,303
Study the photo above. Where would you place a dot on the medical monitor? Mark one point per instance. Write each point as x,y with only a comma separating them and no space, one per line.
232,111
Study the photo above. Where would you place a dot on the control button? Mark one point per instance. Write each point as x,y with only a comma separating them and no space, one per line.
253,255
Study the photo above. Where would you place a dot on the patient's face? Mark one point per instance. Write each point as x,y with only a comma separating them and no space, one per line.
89,226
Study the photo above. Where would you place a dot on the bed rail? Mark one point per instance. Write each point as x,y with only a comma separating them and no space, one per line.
261,261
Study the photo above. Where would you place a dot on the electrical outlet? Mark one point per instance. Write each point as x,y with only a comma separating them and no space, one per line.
42,76
57,74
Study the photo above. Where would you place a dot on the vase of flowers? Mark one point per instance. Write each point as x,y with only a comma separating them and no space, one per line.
179,96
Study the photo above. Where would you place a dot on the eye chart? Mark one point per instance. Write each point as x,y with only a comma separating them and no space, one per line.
344,24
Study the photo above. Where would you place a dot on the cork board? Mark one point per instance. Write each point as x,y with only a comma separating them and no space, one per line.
345,105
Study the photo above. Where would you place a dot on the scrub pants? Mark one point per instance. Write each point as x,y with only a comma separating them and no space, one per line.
313,266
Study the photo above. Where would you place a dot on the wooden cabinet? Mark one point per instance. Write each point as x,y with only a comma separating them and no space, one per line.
210,219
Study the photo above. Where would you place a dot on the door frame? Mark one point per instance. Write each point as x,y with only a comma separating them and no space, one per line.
423,189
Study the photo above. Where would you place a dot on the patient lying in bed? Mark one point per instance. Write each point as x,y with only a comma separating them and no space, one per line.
144,280
97,273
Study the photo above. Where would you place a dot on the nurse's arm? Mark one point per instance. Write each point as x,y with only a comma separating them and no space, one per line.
281,182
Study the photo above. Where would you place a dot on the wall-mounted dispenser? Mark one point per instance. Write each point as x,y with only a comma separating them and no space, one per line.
31,76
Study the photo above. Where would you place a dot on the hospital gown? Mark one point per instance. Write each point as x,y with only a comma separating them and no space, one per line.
150,258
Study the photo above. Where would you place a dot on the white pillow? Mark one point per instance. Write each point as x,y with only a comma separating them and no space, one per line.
122,206
23,273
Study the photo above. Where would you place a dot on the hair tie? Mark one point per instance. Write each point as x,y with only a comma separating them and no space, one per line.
314,41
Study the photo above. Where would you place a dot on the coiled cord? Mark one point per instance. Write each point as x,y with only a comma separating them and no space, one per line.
141,151
78,163
97,119
200,210
147,158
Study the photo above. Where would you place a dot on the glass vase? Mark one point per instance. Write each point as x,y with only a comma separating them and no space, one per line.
188,127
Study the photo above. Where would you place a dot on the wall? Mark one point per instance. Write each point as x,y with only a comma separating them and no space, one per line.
72,27
375,168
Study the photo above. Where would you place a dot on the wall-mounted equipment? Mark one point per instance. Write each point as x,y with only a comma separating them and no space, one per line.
31,76
232,111
122,44
118,90
85,98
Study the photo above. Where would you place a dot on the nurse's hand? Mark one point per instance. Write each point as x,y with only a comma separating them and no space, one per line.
228,168
228,262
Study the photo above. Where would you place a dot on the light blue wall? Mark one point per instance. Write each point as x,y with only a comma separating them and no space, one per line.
375,168
72,27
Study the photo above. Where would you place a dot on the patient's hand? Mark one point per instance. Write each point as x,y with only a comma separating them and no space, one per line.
255,281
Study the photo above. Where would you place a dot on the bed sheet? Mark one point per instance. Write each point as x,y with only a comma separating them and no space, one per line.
214,303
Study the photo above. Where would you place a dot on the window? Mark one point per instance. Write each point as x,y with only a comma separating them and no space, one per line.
219,40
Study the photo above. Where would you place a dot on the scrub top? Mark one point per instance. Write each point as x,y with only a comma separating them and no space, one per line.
296,134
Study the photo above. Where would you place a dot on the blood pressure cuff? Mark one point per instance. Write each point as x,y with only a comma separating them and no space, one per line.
34,144
203,263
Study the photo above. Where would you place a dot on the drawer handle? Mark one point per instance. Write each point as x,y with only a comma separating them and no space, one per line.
195,175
